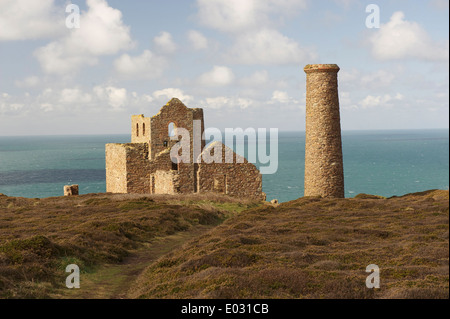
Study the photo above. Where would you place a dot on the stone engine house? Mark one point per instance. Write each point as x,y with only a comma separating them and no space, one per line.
145,165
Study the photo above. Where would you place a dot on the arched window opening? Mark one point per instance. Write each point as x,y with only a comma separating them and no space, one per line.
137,129
171,129
143,129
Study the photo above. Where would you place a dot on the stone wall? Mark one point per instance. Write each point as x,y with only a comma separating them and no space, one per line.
324,172
161,162
235,179
140,129
71,190
116,168
138,168
182,117
166,182
197,114
187,178
173,112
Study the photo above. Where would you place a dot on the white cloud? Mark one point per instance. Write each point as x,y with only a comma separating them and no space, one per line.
30,81
145,66
3,103
280,96
164,43
345,101
244,103
238,15
16,106
197,40
215,102
220,102
75,101
231,15
102,32
55,58
116,97
30,19
256,79
251,24
401,39
268,46
371,101
283,98
47,107
140,100
12,105
167,94
218,76
74,96
349,75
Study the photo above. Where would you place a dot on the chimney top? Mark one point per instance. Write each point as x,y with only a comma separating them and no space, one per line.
321,68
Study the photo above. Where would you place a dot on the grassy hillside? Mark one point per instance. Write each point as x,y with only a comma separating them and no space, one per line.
214,246
314,248
40,237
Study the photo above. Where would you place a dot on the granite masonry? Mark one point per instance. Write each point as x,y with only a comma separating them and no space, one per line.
145,165
324,169
71,190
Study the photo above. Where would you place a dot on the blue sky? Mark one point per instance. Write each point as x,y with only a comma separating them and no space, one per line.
240,60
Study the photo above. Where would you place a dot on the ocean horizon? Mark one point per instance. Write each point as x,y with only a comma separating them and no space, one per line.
380,162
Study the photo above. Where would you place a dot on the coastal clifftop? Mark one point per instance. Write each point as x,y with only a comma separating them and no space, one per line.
306,248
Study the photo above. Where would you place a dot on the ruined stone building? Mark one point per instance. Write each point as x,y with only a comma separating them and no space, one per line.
146,166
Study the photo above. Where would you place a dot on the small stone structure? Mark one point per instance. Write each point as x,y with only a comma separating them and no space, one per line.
71,190
145,165
324,169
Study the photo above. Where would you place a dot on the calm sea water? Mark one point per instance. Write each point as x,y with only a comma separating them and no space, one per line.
385,163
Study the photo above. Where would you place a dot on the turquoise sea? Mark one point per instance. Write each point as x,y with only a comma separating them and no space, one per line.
385,163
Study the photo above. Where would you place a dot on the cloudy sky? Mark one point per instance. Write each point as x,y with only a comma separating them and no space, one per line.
240,60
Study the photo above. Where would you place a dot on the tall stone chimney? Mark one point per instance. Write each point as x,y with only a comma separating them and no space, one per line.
324,168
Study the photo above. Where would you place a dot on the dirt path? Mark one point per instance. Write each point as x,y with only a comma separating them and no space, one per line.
115,280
